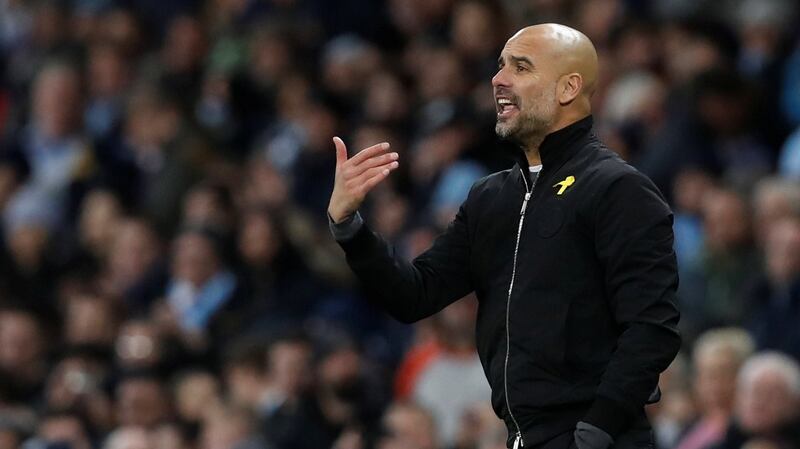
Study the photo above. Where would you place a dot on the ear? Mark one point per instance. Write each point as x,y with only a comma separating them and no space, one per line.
569,87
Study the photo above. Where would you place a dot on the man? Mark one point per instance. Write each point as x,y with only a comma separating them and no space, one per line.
767,406
569,253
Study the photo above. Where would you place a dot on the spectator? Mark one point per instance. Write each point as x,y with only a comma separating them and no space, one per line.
65,428
231,428
23,348
434,387
58,155
767,402
718,355
286,408
776,298
108,77
408,426
203,302
245,374
141,401
78,383
134,272
195,393
712,291
774,199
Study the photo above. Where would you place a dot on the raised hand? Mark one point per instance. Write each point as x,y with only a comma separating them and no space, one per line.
356,176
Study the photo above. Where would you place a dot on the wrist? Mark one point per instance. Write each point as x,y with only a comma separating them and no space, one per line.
338,216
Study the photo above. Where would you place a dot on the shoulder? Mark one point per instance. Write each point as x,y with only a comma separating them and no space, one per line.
610,172
493,180
616,185
488,185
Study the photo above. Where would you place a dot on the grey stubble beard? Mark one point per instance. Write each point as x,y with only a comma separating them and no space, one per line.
532,125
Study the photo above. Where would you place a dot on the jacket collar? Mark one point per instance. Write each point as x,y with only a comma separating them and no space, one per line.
558,146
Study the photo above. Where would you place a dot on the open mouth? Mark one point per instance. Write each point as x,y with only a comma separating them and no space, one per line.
506,107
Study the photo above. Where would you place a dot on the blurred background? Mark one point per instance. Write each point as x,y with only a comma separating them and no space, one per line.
167,278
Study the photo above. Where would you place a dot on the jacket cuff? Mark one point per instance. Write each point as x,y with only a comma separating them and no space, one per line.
609,416
346,229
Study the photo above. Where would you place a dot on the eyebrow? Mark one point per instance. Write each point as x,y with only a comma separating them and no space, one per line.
523,59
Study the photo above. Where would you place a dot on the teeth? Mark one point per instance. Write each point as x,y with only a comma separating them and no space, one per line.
504,101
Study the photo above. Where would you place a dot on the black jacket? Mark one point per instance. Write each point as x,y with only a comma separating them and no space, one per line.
576,286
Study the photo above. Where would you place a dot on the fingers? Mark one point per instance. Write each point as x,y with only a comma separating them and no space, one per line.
369,152
377,178
341,151
357,181
377,161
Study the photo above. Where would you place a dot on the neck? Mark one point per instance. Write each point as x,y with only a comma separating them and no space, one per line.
531,149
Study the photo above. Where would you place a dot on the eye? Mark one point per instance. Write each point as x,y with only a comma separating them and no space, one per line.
521,68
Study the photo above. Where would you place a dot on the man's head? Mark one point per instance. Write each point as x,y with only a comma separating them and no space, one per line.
407,425
718,354
56,96
547,75
141,400
768,393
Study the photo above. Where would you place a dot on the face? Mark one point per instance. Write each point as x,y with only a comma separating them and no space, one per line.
224,430
194,394
725,219
195,260
100,212
141,402
134,249
524,90
258,241
89,320
766,403
715,381
783,251
290,364
56,97
407,427
66,429
20,341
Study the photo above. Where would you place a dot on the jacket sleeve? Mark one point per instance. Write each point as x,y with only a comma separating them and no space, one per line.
634,243
411,291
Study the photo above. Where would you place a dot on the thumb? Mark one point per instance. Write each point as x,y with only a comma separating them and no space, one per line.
341,151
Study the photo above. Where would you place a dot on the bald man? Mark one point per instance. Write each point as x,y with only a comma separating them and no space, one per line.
569,253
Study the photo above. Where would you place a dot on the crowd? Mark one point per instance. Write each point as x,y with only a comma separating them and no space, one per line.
167,277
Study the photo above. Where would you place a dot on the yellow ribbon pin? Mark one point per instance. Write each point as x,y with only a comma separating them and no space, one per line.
568,181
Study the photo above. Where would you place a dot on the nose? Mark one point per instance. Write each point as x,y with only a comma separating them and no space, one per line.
500,79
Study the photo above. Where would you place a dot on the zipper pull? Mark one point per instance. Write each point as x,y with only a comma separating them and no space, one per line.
518,441
525,203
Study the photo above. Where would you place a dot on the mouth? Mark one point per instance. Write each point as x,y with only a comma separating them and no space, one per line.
506,107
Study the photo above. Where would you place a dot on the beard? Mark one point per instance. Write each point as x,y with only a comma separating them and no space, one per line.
529,123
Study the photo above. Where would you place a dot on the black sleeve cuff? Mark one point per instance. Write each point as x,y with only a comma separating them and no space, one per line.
609,416
346,229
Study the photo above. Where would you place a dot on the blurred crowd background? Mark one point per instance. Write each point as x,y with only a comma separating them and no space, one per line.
167,277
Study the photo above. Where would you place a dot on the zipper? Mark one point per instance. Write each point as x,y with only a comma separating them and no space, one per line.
518,441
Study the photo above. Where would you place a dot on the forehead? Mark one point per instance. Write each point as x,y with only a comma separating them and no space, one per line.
526,44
